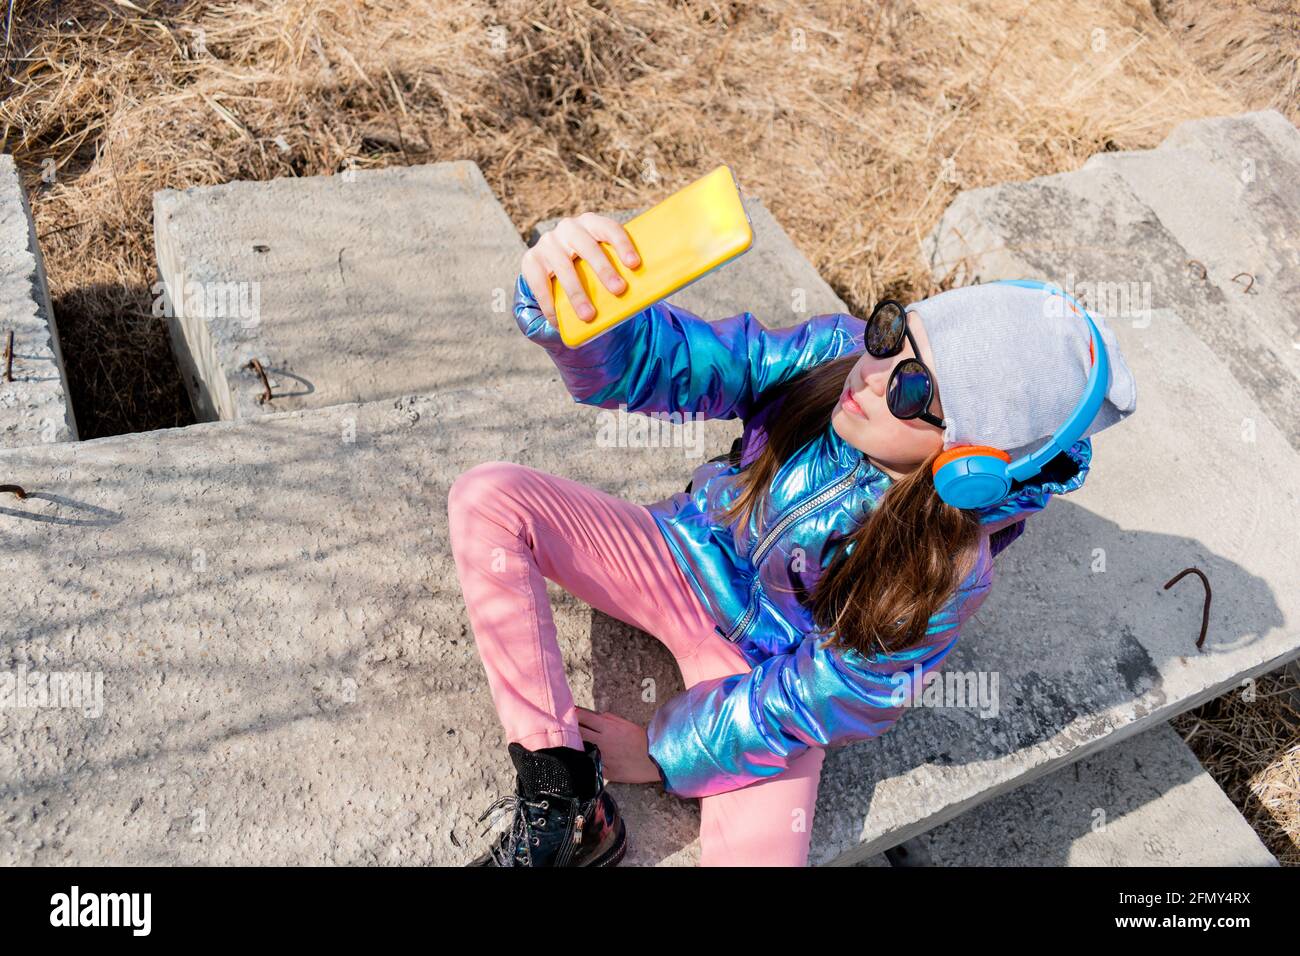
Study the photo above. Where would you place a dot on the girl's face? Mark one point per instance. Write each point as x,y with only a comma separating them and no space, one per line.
894,445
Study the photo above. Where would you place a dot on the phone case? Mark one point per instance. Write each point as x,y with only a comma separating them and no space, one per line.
695,230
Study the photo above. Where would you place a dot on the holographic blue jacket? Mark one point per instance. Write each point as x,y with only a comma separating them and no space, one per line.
732,731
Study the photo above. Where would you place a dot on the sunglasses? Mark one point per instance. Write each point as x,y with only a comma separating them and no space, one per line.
911,386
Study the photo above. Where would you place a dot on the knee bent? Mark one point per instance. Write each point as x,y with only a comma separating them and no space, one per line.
479,487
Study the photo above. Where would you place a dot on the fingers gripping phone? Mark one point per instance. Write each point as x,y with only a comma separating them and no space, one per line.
695,230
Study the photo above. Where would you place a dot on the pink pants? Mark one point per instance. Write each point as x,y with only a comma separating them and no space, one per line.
511,527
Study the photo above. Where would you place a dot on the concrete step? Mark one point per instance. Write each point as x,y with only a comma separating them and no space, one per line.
1087,231
365,285
1231,197
286,272
1262,150
772,279
1144,802
34,406
1118,233
289,677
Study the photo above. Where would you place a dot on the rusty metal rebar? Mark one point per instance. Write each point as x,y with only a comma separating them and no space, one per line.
9,356
1205,610
256,366
1249,285
1205,273
15,489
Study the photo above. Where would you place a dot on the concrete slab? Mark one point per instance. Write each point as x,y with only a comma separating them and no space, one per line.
1144,802
772,279
1244,224
1261,150
366,285
34,407
1088,232
288,675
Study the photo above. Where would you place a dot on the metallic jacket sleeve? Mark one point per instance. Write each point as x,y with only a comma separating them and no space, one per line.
666,359
728,732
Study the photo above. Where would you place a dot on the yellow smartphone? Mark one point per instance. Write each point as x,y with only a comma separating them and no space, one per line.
694,231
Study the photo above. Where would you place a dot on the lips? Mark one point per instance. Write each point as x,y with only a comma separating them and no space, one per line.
852,406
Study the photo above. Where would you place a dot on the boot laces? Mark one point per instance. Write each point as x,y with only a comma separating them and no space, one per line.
505,848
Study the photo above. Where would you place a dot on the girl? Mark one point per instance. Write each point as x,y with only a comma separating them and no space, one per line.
806,584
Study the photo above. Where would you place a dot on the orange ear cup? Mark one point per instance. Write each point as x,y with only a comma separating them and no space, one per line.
961,451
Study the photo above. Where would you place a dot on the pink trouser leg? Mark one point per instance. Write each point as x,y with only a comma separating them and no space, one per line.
512,528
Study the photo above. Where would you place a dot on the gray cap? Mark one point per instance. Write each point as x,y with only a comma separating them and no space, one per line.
1011,364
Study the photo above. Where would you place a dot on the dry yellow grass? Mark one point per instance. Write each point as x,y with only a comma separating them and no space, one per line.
1251,48
855,122
1252,748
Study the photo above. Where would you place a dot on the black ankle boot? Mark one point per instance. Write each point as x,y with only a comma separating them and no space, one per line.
561,817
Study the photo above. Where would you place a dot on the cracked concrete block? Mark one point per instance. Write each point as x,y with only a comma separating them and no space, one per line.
1144,802
1261,150
289,676
1088,232
34,407
365,285
1230,195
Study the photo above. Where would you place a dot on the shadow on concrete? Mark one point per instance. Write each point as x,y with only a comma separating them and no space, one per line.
306,387
97,517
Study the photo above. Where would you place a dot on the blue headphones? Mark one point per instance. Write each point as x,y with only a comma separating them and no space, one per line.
975,476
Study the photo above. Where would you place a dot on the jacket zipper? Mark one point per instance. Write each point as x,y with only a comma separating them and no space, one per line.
794,514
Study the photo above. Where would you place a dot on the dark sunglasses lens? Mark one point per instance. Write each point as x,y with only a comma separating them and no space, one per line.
885,330
909,389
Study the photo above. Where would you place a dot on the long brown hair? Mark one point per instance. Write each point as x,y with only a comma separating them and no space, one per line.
907,558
